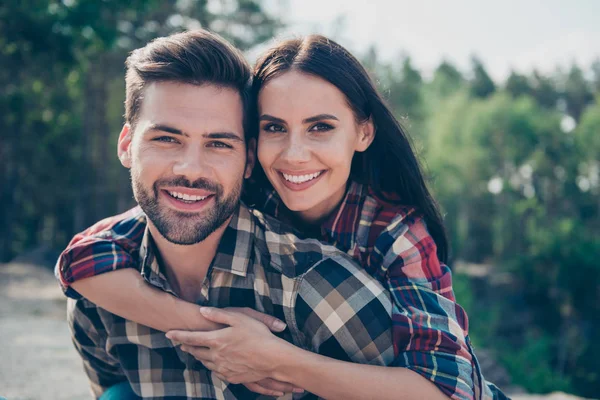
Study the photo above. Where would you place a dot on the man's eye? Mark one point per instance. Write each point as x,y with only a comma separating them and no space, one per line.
273,128
165,139
321,127
220,145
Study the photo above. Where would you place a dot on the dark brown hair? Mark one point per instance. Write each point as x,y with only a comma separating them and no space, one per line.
389,166
195,57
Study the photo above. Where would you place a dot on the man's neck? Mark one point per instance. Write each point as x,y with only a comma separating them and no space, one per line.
186,266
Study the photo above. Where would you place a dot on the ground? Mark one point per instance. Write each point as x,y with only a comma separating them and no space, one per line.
38,360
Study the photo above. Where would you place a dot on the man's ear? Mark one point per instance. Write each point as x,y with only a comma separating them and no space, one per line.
366,132
124,146
250,157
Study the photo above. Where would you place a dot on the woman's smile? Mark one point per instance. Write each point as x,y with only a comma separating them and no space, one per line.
300,180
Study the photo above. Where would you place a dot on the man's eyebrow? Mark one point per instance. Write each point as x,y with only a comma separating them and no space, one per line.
224,135
165,128
213,135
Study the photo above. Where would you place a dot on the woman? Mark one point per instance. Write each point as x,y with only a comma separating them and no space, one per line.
338,166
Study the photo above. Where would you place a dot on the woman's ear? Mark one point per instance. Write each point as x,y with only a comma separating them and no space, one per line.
366,135
124,146
250,157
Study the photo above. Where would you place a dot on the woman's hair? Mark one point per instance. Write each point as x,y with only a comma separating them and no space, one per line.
389,166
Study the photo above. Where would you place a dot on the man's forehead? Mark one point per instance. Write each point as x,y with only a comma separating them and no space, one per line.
192,107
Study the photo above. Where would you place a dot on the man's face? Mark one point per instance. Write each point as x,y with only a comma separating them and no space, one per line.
187,157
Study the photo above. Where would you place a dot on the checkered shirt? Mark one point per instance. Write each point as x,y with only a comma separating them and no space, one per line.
331,306
392,243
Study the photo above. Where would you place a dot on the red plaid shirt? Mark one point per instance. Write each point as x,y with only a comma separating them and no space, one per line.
391,242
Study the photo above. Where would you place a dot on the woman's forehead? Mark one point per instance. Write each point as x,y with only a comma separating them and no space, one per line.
298,93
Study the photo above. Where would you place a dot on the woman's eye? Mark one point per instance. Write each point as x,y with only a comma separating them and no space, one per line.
273,128
321,127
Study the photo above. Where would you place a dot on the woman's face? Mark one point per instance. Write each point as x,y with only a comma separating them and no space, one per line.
308,136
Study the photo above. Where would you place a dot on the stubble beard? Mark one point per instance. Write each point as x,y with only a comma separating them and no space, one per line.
180,227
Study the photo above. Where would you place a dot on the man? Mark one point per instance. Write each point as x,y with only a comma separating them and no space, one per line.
187,107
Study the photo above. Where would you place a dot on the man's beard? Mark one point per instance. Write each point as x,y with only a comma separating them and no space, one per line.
181,227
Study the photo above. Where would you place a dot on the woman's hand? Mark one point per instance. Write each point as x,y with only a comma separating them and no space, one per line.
243,352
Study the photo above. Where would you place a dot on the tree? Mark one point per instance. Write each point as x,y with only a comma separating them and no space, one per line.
481,85
446,80
577,93
544,90
518,85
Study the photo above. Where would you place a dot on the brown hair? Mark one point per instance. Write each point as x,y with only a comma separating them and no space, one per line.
194,57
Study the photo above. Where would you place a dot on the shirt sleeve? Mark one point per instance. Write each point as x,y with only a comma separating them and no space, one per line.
90,256
429,327
89,338
343,313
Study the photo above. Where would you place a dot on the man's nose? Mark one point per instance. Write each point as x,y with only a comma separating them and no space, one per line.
192,163
296,150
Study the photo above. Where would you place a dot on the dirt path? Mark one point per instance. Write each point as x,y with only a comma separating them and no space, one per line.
37,359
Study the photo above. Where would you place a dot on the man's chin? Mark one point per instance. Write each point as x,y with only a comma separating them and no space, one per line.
183,228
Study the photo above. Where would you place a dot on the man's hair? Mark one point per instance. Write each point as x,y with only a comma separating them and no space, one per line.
194,57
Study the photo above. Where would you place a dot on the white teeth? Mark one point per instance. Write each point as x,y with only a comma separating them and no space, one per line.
187,197
300,178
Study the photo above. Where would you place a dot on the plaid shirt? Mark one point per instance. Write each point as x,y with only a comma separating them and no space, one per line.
392,243
331,306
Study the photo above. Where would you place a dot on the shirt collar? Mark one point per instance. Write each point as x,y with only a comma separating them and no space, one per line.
234,253
339,227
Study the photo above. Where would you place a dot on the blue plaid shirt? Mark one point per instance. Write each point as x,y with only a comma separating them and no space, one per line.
332,307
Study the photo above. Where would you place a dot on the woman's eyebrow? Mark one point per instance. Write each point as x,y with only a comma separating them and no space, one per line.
319,118
267,117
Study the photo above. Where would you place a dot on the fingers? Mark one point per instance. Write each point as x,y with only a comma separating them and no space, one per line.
191,338
256,388
274,324
279,386
202,354
220,316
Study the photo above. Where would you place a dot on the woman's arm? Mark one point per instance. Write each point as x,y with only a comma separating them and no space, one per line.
125,293
334,379
246,351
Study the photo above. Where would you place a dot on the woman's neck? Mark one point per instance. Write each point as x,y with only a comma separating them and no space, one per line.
315,216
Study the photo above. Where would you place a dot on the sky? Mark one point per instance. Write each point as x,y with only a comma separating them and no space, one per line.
504,34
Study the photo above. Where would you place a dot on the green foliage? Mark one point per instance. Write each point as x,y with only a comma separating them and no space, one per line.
62,101
530,366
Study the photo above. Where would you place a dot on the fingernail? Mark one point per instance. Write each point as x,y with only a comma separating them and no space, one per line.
205,310
298,390
278,394
279,325
168,335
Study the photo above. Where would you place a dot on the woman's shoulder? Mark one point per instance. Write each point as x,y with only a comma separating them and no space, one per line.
384,212
393,233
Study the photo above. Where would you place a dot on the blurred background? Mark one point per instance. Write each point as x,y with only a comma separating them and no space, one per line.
502,100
